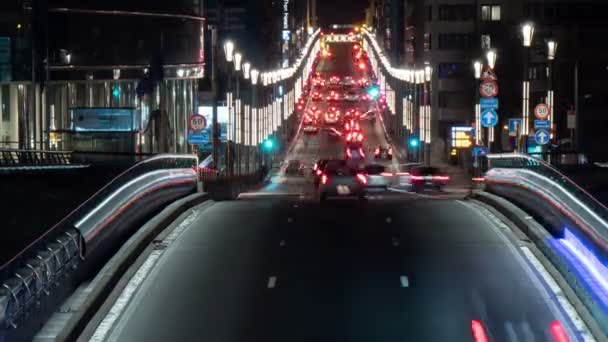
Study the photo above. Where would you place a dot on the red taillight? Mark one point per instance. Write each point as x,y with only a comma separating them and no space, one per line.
377,152
361,178
442,178
361,152
324,179
479,333
319,172
362,66
315,167
360,137
558,332
417,178
349,154
386,174
390,151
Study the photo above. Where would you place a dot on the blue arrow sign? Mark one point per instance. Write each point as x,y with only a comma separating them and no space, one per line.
542,124
489,118
542,136
515,125
479,151
488,103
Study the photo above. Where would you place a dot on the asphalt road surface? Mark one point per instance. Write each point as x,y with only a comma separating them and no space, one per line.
285,268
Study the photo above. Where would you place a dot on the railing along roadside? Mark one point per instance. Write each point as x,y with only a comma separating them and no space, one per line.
83,237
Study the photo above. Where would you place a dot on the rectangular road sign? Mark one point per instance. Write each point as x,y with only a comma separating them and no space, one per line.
515,125
488,103
479,151
542,124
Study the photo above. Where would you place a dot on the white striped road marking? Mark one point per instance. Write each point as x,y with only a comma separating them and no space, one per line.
388,220
134,283
272,282
395,241
404,281
578,322
282,243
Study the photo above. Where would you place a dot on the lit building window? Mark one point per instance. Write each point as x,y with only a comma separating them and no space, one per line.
490,12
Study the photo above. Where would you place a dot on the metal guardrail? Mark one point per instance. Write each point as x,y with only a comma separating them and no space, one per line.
19,158
530,175
80,239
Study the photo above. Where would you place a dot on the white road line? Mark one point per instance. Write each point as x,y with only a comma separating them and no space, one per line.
272,282
548,279
123,300
405,282
578,322
395,241
388,220
289,220
282,243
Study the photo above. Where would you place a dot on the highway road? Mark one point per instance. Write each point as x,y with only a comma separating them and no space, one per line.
285,268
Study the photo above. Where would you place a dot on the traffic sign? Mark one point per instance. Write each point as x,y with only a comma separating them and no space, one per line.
479,151
542,136
515,126
197,135
488,89
489,118
541,111
488,75
542,124
197,122
491,102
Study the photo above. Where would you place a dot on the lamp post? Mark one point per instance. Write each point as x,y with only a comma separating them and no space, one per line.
247,127
527,31
255,122
237,128
477,66
491,56
551,51
229,54
428,76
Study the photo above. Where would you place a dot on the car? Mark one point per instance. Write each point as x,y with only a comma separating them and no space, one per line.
316,96
310,129
352,126
348,81
351,96
383,152
339,180
428,177
334,96
332,117
294,167
334,80
317,170
354,139
378,179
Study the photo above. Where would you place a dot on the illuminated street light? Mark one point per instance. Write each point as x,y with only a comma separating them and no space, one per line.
246,69
551,49
229,51
477,67
527,31
491,56
254,76
428,72
237,61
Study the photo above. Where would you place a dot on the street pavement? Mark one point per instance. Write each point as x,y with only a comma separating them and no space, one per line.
275,265
283,269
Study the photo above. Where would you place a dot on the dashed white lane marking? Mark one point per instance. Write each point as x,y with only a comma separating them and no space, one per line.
295,205
578,322
289,219
395,241
388,220
272,282
282,243
405,282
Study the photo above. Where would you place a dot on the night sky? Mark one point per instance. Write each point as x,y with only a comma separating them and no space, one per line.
341,11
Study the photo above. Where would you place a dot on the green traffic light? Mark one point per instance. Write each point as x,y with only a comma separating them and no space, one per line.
268,144
374,92
414,141
116,92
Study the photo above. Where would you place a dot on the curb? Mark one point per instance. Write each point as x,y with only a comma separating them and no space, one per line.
113,271
527,229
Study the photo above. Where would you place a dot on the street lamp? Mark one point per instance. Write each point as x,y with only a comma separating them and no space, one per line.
491,56
527,31
254,76
229,51
428,71
237,61
246,69
477,68
551,51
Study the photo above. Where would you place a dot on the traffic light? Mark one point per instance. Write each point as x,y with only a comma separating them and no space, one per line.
414,142
373,92
116,91
268,144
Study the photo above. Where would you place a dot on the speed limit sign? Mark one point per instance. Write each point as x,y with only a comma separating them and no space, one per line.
198,122
541,111
488,89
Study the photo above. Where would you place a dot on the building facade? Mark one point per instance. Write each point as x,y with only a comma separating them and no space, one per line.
451,34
